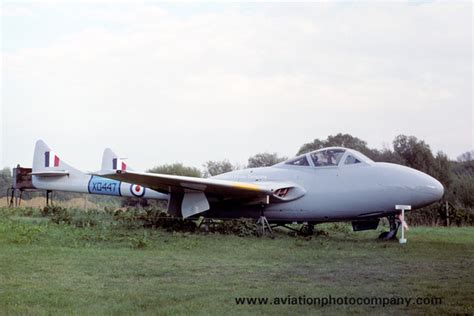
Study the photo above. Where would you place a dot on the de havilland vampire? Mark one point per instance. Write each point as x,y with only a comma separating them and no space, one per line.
327,185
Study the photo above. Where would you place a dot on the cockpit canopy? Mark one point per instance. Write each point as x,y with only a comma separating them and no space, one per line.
329,157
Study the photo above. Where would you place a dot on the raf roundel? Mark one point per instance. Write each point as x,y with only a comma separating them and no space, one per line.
137,190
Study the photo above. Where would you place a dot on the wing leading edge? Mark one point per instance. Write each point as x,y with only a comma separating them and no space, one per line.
181,184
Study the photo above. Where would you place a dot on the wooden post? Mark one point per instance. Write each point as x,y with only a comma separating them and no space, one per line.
447,213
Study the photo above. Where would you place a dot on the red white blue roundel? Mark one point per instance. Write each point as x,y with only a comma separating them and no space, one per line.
137,190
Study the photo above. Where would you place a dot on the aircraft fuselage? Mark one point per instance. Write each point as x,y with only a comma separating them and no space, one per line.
333,193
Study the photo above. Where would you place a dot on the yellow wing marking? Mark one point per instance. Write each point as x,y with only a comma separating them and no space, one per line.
247,186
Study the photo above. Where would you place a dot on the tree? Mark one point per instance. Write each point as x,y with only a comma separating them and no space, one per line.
213,168
5,180
462,186
463,190
442,169
346,140
467,156
339,140
308,147
177,169
415,153
464,167
387,155
264,160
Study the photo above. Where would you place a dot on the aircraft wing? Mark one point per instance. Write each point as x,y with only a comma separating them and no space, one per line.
180,184
194,191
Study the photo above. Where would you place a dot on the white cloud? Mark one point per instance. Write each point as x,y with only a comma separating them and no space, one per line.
15,11
161,87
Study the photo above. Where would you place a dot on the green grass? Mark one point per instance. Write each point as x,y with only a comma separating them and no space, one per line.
59,269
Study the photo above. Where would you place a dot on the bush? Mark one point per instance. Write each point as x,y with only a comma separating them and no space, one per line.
77,217
461,216
152,218
58,214
240,227
137,217
90,218
435,215
173,224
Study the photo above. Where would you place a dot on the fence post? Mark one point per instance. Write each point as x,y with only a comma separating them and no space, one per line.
447,213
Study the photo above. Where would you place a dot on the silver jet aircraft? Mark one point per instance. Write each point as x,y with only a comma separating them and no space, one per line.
326,185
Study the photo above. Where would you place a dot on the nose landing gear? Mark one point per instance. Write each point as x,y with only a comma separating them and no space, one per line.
394,225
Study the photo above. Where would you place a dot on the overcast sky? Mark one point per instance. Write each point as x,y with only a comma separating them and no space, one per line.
160,83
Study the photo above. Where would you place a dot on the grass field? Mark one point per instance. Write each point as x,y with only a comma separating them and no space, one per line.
47,268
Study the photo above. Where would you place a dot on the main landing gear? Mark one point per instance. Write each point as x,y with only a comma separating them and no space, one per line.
394,225
306,230
262,225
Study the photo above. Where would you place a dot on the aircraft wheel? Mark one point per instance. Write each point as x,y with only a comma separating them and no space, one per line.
307,230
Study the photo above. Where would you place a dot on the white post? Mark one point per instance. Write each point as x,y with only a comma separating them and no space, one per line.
403,240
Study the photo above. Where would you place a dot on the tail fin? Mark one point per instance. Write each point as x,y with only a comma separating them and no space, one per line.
47,163
110,162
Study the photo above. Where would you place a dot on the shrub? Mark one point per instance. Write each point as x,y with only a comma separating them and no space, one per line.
240,227
435,215
153,218
140,242
58,214
89,218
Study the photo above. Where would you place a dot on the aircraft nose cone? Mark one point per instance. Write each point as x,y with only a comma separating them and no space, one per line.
435,188
409,186
428,190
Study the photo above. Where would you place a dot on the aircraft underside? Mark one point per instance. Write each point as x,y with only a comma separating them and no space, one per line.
228,210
